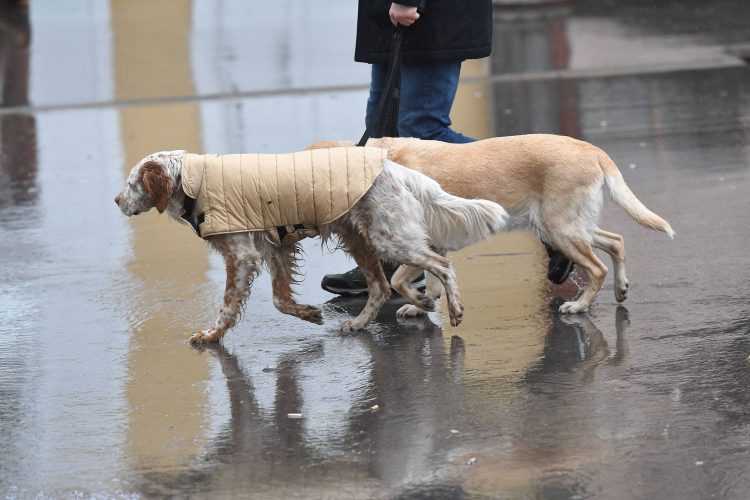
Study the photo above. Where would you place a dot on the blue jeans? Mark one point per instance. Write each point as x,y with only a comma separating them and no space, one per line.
427,93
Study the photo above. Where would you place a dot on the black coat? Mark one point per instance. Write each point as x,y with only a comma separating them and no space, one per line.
447,30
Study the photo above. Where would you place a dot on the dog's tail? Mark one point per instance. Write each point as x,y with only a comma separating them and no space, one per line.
623,196
452,222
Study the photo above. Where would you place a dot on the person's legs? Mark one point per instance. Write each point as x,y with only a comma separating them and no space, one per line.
377,84
427,94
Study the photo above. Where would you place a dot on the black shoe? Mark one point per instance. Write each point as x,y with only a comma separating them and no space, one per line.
559,267
353,283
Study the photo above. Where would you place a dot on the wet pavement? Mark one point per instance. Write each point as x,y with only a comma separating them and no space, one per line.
101,395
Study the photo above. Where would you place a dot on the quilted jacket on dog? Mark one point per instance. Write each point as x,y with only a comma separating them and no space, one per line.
258,192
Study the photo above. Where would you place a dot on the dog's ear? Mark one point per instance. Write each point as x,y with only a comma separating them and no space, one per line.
158,184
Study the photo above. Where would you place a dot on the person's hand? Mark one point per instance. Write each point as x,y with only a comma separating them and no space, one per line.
403,14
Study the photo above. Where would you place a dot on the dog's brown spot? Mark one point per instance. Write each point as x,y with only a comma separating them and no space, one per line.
385,235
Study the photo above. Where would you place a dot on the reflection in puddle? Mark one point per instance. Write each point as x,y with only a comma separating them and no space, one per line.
18,134
167,266
575,343
415,411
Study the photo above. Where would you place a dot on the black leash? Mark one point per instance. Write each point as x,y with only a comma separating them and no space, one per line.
385,120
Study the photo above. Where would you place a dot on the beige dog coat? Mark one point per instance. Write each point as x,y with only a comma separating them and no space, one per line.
258,192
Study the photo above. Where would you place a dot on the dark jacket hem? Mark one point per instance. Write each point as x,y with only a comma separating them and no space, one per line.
428,55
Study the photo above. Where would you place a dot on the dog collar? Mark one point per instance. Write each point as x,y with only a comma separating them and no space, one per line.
188,214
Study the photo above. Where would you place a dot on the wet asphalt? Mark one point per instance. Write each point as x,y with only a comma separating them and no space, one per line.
102,396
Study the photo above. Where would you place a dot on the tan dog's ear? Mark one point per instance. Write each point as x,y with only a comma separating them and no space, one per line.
158,184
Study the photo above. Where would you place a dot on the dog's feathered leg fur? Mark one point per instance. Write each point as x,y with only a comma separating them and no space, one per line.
242,261
282,264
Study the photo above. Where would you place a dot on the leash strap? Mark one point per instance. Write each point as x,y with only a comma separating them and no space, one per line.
385,121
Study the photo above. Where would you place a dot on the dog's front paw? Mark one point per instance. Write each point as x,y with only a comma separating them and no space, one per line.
206,336
621,291
573,308
350,326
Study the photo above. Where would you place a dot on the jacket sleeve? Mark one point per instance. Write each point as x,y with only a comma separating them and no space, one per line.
419,4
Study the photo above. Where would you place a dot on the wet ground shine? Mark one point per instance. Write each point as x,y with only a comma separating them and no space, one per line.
101,394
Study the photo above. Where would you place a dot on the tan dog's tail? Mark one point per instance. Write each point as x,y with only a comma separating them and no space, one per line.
623,196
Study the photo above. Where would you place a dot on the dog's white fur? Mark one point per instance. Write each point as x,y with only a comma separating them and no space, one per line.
548,183
404,218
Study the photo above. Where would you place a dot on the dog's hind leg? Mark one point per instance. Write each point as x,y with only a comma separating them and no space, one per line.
282,264
580,252
406,243
434,287
441,267
433,291
612,243
378,290
401,282
394,220
442,270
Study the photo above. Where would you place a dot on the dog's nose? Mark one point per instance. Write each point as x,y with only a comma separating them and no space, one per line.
117,199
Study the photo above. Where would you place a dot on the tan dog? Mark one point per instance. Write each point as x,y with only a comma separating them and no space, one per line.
552,184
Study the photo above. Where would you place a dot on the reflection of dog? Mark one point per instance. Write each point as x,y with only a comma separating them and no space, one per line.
552,184
397,219
574,344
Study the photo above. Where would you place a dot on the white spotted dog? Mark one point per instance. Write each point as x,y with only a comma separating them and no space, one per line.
401,215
